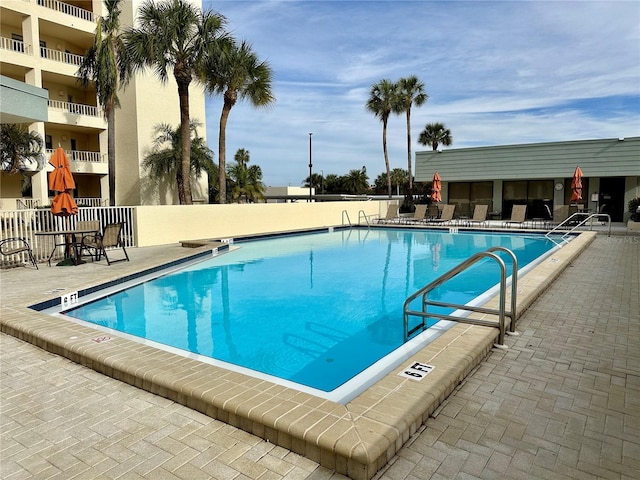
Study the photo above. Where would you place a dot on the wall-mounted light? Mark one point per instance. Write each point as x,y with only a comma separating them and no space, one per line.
61,93
64,138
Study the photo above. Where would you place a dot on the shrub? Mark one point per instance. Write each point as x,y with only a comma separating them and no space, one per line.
634,206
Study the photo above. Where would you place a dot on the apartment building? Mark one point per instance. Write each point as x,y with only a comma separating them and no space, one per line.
42,43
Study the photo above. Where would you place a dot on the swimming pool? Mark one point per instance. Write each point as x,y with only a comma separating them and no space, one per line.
315,310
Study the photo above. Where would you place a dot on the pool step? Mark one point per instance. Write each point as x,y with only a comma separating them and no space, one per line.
206,242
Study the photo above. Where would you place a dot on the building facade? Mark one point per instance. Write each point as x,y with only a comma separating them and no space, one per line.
537,174
42,43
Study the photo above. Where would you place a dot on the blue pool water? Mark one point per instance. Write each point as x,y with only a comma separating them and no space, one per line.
313,309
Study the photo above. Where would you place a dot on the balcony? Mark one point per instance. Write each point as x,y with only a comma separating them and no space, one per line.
79,155
14,45
67,9
60,56
77,108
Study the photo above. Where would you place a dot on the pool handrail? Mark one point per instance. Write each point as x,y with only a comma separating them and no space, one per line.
500,311
573,218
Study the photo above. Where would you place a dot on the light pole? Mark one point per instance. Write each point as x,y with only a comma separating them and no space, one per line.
310,167
322,182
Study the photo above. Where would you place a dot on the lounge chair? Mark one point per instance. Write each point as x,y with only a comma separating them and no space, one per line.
99,243
392,214
16,245
432,211
419,216
446,217
518,216
479,215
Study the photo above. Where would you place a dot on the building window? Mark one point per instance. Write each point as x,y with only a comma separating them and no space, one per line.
535,194
466,195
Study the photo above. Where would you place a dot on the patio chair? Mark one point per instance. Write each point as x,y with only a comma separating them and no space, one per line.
433,211
99,243
479,215
518,216
16,245
392,214
419,216
447,215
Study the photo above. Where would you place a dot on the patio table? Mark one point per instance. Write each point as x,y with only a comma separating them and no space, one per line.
71,246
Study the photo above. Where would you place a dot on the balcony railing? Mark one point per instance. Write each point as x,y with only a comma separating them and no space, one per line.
79,155
68,9
15,45
60,56
77,108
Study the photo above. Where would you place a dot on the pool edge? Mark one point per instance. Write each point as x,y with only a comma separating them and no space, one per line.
356,439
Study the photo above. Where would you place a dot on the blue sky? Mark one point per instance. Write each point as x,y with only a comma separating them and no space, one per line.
496,73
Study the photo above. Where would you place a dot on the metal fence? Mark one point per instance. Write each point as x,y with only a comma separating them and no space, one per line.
25,224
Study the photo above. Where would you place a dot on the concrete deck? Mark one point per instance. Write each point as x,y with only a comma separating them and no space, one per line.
562,402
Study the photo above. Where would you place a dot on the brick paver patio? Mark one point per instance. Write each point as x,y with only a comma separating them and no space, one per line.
563,402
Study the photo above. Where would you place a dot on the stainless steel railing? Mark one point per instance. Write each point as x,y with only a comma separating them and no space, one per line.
574,221
500,312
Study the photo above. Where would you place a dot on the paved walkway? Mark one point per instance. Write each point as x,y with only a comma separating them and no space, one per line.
562,403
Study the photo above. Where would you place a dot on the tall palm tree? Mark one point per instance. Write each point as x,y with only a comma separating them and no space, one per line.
176,37
237,75
410,92
435,134
382,99
165,160
19,148
106,65
246,182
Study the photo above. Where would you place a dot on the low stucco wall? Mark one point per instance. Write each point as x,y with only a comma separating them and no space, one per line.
165,224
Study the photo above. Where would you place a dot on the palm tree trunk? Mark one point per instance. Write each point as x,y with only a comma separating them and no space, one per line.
185,139
222,153
410,192
111,155
386,155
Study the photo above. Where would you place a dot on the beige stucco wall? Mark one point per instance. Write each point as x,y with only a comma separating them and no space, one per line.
161,225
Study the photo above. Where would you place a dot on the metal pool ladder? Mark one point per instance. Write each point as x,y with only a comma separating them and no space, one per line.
500,311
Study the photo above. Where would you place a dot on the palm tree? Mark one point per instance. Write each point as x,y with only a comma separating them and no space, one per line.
398,177
176,37
237,75
410,92
105,63
165,159
246,182
315,182
356,181
332,184
19,148
435,134
382,99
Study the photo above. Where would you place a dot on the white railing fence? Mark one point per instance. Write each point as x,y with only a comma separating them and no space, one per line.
77,108
60,56
25,224
78,155
68,9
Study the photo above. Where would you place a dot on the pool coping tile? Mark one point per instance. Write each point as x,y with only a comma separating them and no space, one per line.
355,439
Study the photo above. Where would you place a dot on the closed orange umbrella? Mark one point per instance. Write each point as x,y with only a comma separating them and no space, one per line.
436,187
60,179
63,205
576,185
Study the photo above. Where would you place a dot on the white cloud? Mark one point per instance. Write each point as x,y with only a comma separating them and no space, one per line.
496,73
